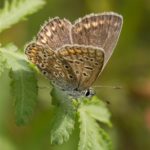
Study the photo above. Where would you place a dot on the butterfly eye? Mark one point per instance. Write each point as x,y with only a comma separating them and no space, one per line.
89,92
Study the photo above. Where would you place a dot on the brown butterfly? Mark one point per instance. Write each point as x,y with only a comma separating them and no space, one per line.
73,55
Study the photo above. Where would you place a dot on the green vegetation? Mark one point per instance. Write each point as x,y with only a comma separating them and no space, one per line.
48,119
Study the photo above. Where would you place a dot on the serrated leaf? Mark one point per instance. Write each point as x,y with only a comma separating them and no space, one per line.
62,127
17,10
24,85
97,109
90,136
64,120
106,137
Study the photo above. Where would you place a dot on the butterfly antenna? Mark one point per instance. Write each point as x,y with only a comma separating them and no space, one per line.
108,86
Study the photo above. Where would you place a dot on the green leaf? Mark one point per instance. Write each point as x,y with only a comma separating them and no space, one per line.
3,64
4,97
97,109
64,120
92,137
17,10
108,142
24,84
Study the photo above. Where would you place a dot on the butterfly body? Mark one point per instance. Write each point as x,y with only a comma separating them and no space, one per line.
73,56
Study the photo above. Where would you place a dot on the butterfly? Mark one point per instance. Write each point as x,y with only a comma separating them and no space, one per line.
72,56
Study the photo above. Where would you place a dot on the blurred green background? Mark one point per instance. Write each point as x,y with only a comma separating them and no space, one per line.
129,67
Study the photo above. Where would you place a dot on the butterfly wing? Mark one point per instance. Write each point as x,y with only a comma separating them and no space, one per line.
100,30
85,61
76,66
54,68
54,33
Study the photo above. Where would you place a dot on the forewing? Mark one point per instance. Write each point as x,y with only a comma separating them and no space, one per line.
54,68
54,33
86,62
100,30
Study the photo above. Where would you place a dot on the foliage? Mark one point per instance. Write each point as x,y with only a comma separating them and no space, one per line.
17,10
24,84
64,119
92,136
90,112
2,63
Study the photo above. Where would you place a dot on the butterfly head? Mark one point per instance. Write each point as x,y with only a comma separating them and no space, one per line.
85,93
